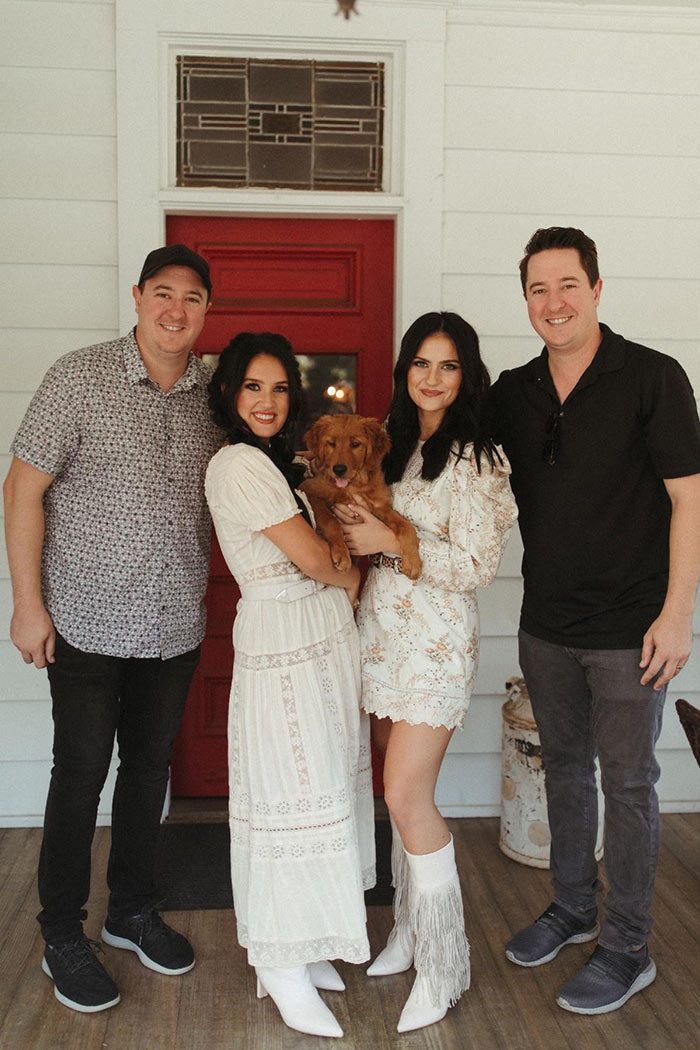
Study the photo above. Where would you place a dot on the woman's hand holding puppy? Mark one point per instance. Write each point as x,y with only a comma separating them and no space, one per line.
363,532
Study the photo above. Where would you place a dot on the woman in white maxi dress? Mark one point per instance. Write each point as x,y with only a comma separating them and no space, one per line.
301,806
420,639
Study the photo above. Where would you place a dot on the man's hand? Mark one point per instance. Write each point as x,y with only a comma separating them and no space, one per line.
32,629
666,648
668,641
33,632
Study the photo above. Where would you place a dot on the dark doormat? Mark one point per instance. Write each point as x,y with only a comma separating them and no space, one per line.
382,893
193,870
193,867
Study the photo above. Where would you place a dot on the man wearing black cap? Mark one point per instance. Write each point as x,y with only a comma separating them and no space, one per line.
108,541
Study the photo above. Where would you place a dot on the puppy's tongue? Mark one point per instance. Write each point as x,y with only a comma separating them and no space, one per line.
342,482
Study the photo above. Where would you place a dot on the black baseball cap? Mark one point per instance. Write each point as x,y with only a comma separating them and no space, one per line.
176,255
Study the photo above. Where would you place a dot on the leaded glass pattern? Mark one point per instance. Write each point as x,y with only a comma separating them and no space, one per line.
279,123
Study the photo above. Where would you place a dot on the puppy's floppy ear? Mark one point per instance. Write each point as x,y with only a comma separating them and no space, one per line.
313,436
310,439
381,442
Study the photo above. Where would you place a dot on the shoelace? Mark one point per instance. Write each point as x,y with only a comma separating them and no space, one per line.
78,955
151,923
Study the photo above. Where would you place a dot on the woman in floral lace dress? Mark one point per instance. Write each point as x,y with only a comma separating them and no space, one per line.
301,807
420,639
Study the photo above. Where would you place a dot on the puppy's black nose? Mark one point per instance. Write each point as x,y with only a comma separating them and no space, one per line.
340,470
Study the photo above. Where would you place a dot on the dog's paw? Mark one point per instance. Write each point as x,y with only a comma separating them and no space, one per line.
411,565
340,556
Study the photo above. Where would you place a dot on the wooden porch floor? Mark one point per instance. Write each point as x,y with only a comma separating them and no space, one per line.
214,1006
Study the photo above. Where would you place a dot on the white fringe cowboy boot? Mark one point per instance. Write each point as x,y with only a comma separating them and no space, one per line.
398,954
441,948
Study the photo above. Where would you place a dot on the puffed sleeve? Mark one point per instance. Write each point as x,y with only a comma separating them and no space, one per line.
246,488
481,513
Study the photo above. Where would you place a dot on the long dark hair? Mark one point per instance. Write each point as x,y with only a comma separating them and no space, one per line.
225,386
462,420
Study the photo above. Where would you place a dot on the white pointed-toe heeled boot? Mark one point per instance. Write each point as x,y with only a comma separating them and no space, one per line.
296,998
442,950
325,976
397,956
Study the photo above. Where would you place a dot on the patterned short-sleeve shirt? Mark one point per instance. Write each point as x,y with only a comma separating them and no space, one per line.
126,546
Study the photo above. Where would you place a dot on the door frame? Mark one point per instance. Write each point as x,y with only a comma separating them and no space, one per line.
362,329
411,43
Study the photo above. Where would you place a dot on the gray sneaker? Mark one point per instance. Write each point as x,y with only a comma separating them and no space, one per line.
541,942
607,981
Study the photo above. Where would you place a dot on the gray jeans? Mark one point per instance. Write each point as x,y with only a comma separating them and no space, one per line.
589,702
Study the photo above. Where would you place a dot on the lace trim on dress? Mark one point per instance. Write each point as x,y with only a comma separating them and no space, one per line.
295,738
433,709
331,705
266,829
315,651
291,806
437,697
294,850
274,954
277,570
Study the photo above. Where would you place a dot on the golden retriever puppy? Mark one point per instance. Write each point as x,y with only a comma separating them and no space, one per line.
347,453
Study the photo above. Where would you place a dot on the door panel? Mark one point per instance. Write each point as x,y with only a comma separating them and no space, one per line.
327,285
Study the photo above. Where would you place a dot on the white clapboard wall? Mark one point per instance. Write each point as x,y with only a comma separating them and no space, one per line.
554,113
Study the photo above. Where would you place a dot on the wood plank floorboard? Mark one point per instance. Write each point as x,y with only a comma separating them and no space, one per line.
214,1007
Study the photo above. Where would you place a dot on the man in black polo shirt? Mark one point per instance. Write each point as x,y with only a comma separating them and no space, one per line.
604,442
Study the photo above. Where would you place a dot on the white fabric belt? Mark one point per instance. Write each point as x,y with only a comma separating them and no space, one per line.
278,592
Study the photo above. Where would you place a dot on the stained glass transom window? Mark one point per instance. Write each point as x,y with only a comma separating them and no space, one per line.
284,124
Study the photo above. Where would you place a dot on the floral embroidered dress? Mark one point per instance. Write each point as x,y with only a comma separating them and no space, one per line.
301,806
420,639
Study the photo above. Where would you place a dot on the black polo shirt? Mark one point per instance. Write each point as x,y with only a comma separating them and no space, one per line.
595,522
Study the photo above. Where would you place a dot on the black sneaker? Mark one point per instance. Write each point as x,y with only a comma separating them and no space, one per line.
157,945
539,943
607,981
79,978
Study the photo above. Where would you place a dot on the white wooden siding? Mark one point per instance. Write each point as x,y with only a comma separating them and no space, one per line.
58,274
54,35
566,113
58,167
25,223
569,122
536,182
60,296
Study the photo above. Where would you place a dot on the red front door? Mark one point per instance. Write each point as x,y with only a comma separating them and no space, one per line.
328,286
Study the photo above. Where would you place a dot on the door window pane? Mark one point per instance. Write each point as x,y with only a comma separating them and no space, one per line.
330,383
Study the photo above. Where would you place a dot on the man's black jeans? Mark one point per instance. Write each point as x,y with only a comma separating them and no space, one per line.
96,697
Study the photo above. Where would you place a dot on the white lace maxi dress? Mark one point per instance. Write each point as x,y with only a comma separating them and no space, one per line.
301,806
420,639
